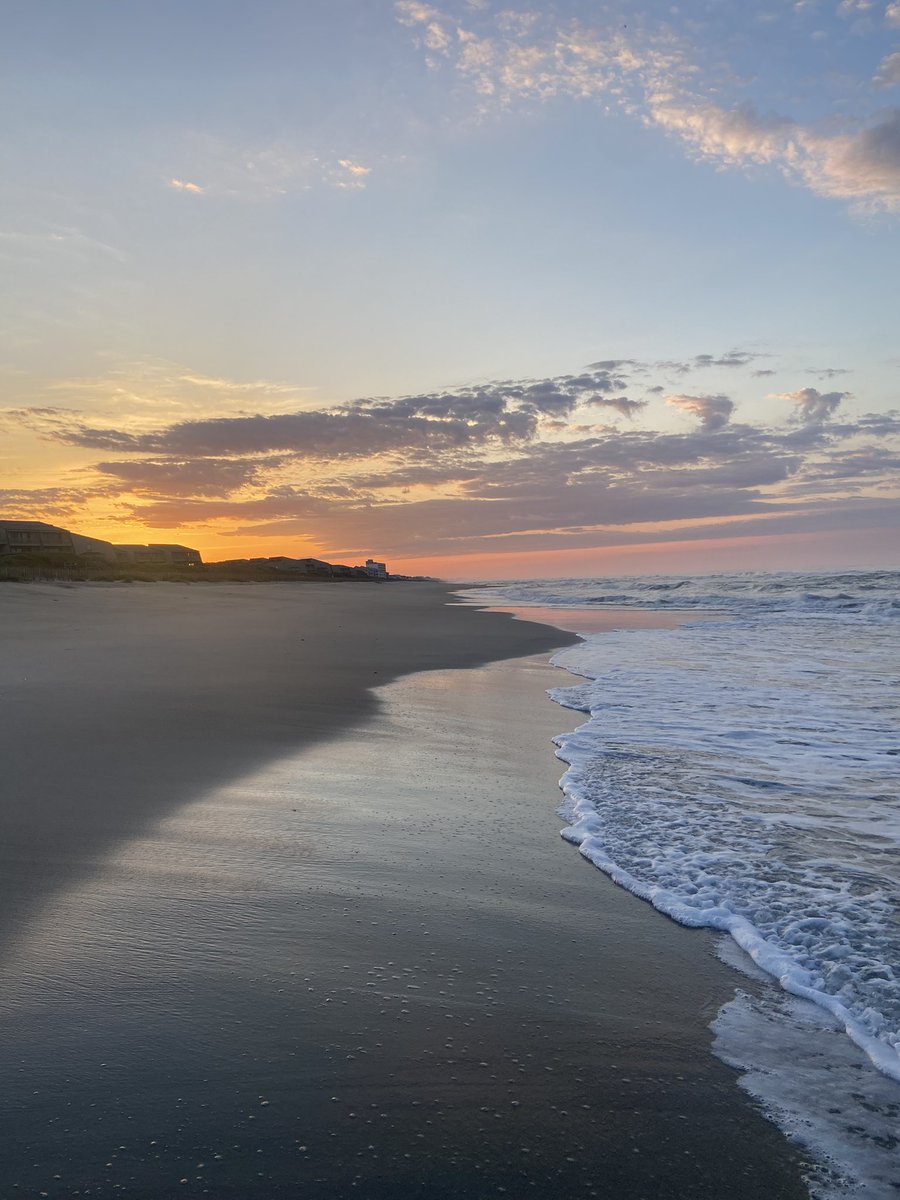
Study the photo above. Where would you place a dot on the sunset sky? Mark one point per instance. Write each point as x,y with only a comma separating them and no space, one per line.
487,291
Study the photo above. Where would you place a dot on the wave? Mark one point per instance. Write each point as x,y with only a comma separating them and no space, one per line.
873,595
743,776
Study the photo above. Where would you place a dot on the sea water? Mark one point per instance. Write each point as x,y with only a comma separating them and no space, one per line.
742,773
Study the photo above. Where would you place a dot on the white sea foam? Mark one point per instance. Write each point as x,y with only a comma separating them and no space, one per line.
741,773
795,1061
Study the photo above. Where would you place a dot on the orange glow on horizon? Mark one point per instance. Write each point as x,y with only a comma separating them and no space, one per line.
820,550
826,550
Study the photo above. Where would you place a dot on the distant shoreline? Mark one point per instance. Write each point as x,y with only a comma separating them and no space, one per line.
204,573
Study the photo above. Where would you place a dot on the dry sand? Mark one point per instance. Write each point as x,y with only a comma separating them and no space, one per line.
271,933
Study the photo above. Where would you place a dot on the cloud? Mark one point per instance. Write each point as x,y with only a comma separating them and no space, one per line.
888,73
620,404
499,463
421,471
853,8
344,433
730,136
885,424
413,12
892,13
830,372
356,174
498,411
181,185
654,80
144,395
497,506
612,364
734,358
638,475
714,412
59,239
561,496
278,504
257,389
261,171
813,407
863,166
218,454
517,23
203,477
435,31
35,504
856,465
568,60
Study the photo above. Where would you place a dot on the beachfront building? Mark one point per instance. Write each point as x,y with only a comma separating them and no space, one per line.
34,537
39,538
375,570
158,554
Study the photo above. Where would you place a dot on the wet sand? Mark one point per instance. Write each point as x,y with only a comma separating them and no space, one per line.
277,934
118,703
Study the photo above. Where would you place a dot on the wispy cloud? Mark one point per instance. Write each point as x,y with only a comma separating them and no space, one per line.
139,395
262,171
58,240
40,503
829,372
173,477
655,79
888,73
181,185
351,175
734,359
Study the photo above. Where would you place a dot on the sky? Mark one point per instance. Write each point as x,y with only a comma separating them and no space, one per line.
483,290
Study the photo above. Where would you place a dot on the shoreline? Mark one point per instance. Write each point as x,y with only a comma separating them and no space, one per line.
362,962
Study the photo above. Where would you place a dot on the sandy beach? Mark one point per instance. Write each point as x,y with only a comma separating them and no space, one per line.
286,913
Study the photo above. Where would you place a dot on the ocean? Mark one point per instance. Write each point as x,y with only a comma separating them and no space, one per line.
741,772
